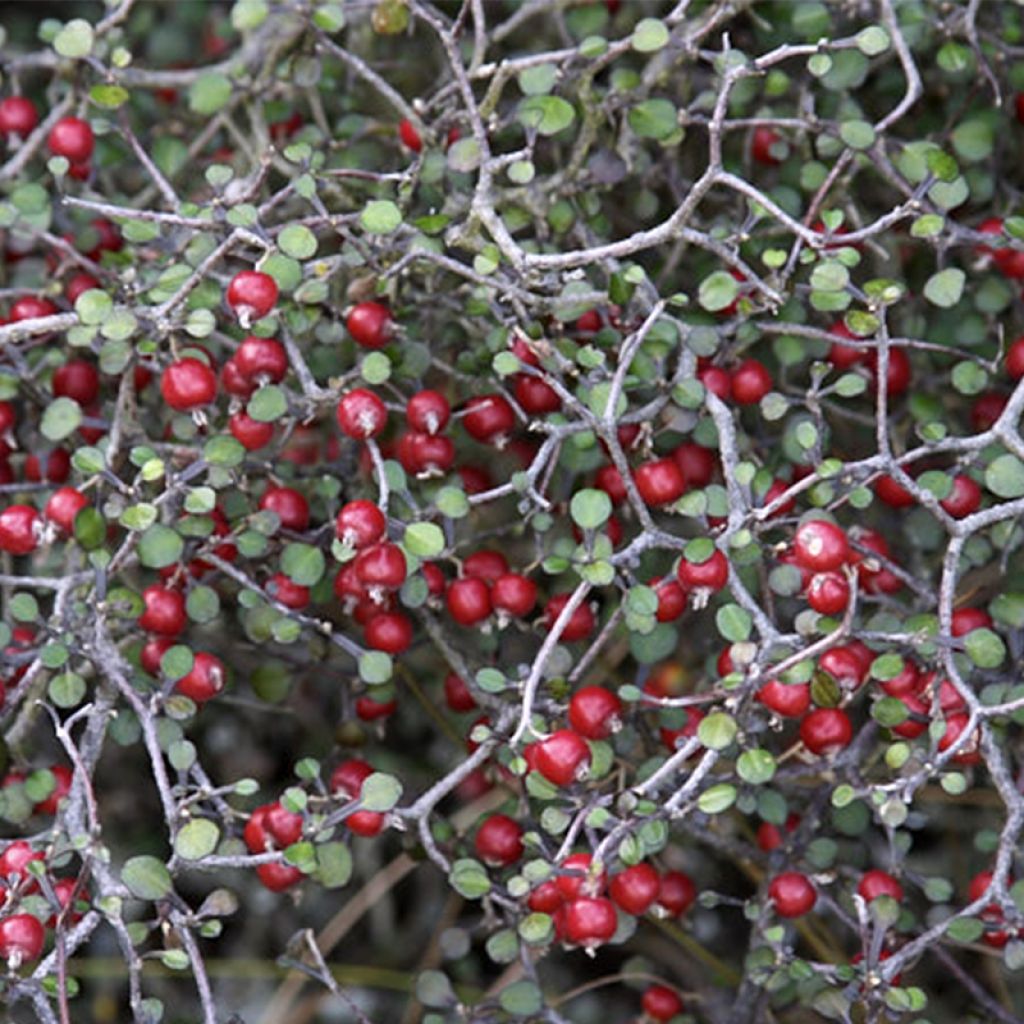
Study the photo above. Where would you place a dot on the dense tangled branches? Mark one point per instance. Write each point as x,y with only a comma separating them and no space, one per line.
559,462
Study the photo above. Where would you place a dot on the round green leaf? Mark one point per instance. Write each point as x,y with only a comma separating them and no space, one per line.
590,508
75,39
380,217
548,114
297,241
1004,476
653,119
718,291
649,35
146,878
160,546
985,648
61,418
197,839
303,564
717,731
380,792
945,288
424,540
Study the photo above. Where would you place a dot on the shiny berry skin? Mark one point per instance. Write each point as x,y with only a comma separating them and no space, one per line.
71,137
671,599
21,938
589,922
660,481
820,546
635,889
1015,359
390,632
289,506
20,529
844,357
877,883
828,593
369,324
790,700
609,480
514,594
153,651
409,135
964,499
965,620
252,294
893,494
697,463
278,877
581,623
545,899
468,600
234,381
204,681
15,859
987,408
898,377
18,116
499,841
768,835
712,574
283,826
425,454
188,384
30,308
251,434
165,611
360,523
907,682
717,381
595,712
792,894
763,140
255,834
288,593
563,758
457,694
751,381
660,1003
535,395
676,893
576,877
381,565
63,506
427,412
262,360
77,379
62,776
347,780
488,418
63,890
361,414
826,730
78,285
956,724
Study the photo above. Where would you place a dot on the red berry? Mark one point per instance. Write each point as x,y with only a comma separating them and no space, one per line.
18,116
792,894
545,899
563,758
751,381
676,893
71,137
278,877
763,141
62,776
589,922
499,841
514,594
235,382
188,384
576,877
828,593
964,499
987,408
262,359
370,324
609,480
768,835
457,694
289,506
63,506
906,683
965,620
469,600
15,859
77,379
21,938
360,523
898,377
535,395
251,295
409,136
20,529
877,883
347,780
820,546
660,1003
671,599
635,889
284,826
956,725
165,611
381,565
249,433
28,307
427,412
892,493
390,632
488,418
204,681
826,730
361,414
660,482
153,651
717,381
425,454
595,712
697,463
255,833
1015,359
790,700
711,574
288,593
581,623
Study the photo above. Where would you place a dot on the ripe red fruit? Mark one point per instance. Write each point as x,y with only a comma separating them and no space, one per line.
844,357
589,922
792,894
768,835
262,360
409,136
826,730
898,377
28,307
576,877
427,412
188,384
425,454
499,841
545,899
18,116
763,141
251,295
676,893
360,523
71,137
964,499
581,623
21,938
1015,359
671,599
62,776
820,546
457,694
347,780
877,883
514,594
283,826
790,700
965,620
892,493
660,1003
595,712
20,529
255,834
290,594
717,381
370,324
249,433
152,651
635,889
535,395
987,408
381,565
697,463
469,600
204,681
711,574
15,859
235,382
906,683
63,506
828,593
289,506
278,877
165,610
660,481
361,414
751,381
956,724
563,758
489,419
390,632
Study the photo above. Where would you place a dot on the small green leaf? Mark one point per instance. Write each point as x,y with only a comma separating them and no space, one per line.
375,668
160,546
381,217
146,878
197,839
653,119
521,999
985,648
718,291
717,731
857,134
464,156
75,39
61,418
297,241
756,766
380,792
649,35
303,564
424,540
945,288
734,623
1004,477
109,97
872,40
548,114
717,799
590,508
209,93
333,865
